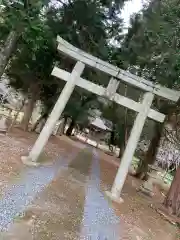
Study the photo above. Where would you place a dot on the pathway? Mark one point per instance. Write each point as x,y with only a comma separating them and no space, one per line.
99,220
65,201
70,207
29,183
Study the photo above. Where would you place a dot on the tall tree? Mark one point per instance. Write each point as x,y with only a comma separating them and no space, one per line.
90,31
172,199
30,68
16,16
152,45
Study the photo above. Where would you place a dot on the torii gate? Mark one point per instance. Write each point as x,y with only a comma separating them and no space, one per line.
143,109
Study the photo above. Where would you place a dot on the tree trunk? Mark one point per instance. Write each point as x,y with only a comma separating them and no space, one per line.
36,123
71,127
172,200
43,116
122,146
122,149
13,122
29,107
61,127
150,156
7,50
112,137
15,118
65,122
41,124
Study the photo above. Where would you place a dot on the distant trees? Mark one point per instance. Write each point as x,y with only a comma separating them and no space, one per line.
152,47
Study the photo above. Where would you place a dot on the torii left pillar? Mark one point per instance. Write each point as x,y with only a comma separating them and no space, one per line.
54,116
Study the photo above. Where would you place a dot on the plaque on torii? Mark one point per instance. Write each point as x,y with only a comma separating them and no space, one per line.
116,74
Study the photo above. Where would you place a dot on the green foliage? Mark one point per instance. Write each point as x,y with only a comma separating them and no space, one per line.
90,32
122,121
34,59
16,17
89,25
21,14
152,42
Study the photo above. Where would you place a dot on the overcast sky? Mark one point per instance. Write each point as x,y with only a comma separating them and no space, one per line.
131,7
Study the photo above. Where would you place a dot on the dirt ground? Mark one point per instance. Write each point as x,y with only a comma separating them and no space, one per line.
18,143
136,211
57,212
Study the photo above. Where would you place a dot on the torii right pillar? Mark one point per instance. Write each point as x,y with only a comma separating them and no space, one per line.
130,148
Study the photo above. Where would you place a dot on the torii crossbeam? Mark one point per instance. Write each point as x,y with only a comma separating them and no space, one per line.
116,74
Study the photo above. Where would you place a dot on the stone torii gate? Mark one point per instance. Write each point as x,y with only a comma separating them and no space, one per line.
73,79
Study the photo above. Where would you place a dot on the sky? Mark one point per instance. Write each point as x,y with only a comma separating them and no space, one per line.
132,6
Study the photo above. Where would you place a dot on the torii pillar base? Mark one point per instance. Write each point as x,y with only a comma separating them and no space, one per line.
113,198
27,161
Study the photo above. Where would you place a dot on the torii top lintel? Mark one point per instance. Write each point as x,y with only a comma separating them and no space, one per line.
94,62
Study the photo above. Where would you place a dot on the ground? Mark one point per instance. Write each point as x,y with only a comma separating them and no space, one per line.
68,196
18,143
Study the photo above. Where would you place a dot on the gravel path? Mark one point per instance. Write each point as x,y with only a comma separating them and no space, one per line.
99,220
18,196
73,205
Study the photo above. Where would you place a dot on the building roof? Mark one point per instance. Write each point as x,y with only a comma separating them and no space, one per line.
98,122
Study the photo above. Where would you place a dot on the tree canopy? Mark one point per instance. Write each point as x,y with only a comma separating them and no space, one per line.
30,67
152,42
151,49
